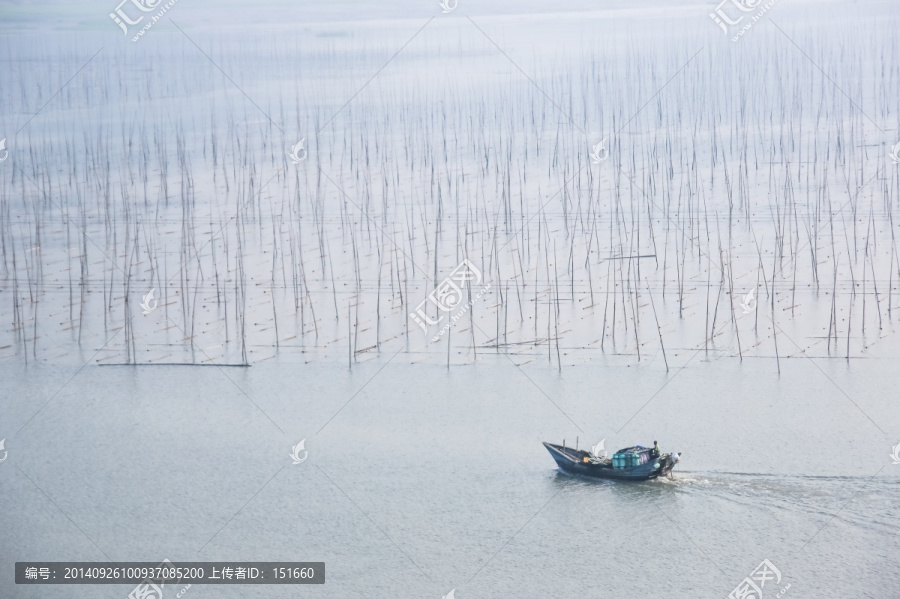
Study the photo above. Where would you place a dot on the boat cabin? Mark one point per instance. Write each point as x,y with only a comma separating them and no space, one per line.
631,457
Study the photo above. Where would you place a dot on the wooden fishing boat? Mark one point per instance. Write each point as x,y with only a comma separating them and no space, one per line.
631,463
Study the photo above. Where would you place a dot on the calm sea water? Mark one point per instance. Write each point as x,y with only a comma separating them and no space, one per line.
431,478
423,478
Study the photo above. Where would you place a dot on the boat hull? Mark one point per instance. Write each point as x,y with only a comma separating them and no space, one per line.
572,461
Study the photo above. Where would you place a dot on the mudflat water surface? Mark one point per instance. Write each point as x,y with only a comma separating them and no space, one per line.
312,283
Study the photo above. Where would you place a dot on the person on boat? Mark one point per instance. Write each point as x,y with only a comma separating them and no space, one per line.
654,453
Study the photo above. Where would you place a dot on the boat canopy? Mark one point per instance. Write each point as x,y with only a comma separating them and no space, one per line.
635,449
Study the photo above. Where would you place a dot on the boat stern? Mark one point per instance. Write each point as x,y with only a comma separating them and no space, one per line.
667,463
